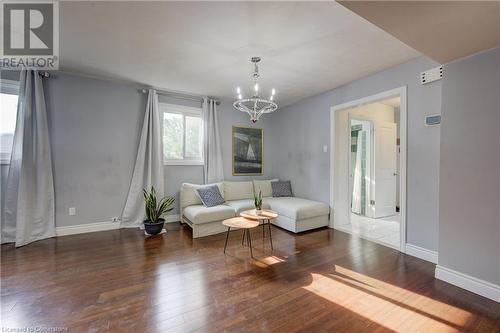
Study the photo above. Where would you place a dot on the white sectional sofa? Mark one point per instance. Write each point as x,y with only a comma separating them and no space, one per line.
295,214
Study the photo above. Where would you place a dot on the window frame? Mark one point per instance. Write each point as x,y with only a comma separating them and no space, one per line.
8,87
185,111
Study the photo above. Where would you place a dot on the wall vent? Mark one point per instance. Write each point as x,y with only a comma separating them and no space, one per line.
431,75
432,120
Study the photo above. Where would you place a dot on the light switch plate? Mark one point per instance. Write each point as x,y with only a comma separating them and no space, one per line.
325,149
72,211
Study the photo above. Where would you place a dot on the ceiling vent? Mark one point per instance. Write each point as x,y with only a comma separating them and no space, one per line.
431,75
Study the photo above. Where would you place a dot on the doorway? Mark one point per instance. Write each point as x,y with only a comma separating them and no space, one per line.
368,175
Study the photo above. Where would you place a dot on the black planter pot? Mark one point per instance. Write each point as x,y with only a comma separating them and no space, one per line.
154,228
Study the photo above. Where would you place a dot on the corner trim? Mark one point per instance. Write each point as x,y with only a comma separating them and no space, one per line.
467,282
421,253
100,226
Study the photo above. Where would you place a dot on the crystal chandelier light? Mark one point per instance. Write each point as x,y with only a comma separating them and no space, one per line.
255,106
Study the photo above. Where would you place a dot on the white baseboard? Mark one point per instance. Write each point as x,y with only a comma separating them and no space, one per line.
88,227
467,282
421,253
100,226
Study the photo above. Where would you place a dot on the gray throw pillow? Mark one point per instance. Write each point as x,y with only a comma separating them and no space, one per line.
282,189
210,195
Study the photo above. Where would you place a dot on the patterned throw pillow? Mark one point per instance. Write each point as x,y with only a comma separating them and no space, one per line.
210,195
282,189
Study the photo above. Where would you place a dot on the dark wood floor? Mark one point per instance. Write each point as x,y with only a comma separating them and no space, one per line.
322,281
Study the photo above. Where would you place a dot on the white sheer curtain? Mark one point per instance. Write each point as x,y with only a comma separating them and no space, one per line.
29,201
148,170
213,170
357,176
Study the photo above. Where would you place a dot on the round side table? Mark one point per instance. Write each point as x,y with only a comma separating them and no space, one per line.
240,223
266,215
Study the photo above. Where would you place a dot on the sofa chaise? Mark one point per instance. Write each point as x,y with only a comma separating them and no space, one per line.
295,214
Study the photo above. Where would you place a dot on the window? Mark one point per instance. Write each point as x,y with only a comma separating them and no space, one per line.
8,112
182,135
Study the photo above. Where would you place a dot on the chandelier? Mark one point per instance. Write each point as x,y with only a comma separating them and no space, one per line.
255,106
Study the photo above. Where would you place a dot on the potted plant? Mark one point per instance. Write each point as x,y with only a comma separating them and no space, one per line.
258,203
155,210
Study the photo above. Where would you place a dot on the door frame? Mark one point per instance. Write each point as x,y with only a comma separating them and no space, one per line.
402,93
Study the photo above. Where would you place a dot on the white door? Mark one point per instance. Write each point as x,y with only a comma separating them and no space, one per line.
385,170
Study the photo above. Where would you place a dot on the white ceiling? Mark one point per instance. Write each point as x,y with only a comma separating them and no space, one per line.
204,47
442,30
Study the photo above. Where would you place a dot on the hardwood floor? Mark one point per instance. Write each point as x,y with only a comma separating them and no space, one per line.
321,281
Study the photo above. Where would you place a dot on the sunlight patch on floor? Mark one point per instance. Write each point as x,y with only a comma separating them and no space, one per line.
396,308
271,260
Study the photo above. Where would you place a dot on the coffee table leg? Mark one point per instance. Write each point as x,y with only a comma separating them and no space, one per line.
227,236
243,238
270,237
249,240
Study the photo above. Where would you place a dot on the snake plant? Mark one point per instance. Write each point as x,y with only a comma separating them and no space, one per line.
156,209
258,201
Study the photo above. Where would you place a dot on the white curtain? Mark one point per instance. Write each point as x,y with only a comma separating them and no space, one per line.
357,176
212,153
29,201
148,170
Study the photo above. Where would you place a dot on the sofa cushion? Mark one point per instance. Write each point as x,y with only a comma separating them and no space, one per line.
282,189
210,195
189,196
238,190
245,204
264,186
200,214
297,208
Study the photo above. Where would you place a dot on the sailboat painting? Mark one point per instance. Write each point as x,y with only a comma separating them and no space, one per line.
248,151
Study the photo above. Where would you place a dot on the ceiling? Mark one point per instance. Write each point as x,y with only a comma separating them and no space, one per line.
442,30
205,47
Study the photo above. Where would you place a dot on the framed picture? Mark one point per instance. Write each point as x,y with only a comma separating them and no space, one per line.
248,151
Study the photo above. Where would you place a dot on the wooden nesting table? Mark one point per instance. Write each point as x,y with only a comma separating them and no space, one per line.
240,223
265,215
247,220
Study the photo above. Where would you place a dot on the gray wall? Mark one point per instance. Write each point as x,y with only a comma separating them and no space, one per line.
94,129
469,231
301,130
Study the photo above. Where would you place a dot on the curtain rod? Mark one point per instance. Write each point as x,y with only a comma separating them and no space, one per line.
179,95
